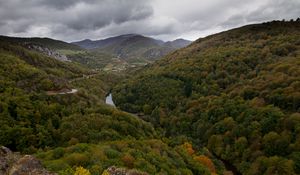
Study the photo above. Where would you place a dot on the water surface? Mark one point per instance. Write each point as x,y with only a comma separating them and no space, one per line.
109,100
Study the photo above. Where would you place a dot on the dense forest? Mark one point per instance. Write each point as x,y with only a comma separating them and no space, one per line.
227,103
236,93
78,132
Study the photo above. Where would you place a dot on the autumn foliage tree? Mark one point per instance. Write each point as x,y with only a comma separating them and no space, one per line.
207,162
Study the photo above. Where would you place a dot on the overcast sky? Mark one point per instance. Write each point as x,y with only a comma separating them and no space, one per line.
73,20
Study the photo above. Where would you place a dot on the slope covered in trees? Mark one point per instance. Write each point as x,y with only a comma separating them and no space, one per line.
236,93
151,156
31,119
71,131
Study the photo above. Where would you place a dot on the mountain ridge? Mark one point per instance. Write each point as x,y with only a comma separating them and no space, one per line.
48,42
92,44
133,47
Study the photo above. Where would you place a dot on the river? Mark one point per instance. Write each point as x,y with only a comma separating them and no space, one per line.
109,100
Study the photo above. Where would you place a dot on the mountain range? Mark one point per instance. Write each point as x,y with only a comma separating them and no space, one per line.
115,53
133,46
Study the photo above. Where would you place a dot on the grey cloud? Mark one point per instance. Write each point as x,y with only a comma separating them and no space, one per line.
63,4
102,14
85,15
272,10
278,9
79,19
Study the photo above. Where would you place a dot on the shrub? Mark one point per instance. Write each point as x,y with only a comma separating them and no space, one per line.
77,159
128,160
58,153
111,153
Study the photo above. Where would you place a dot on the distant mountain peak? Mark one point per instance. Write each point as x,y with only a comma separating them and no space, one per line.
178,43
181,39
130,35
87,40
133,46
92,44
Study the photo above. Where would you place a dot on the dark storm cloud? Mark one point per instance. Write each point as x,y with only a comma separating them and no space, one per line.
165,19
61,4
101,14
45,17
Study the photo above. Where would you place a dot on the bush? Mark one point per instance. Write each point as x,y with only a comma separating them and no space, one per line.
57,165
111,153
77,159
58,153
128,160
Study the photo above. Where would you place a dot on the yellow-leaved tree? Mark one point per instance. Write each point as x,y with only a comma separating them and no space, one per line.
81,171
189,148
105,172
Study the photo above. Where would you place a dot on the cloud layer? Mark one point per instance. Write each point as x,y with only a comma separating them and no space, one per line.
79,19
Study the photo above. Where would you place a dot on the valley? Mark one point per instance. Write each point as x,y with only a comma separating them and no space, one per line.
116,54
226,104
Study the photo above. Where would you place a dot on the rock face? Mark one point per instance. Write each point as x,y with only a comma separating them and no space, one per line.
47,51
16,164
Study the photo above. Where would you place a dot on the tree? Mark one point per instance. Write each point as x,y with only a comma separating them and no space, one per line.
81,171
105,172
241,144
147,109
128,160
274,144
188,88
271,166
296,158
189,148
206,162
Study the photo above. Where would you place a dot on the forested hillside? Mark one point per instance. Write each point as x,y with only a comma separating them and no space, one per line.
68,130
32,119
236,93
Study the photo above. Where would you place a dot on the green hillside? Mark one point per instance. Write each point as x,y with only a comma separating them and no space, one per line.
31,119
151,156
40,115
236,93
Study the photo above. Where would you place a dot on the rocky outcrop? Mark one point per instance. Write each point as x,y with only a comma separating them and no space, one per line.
46,51
15,164
6,157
